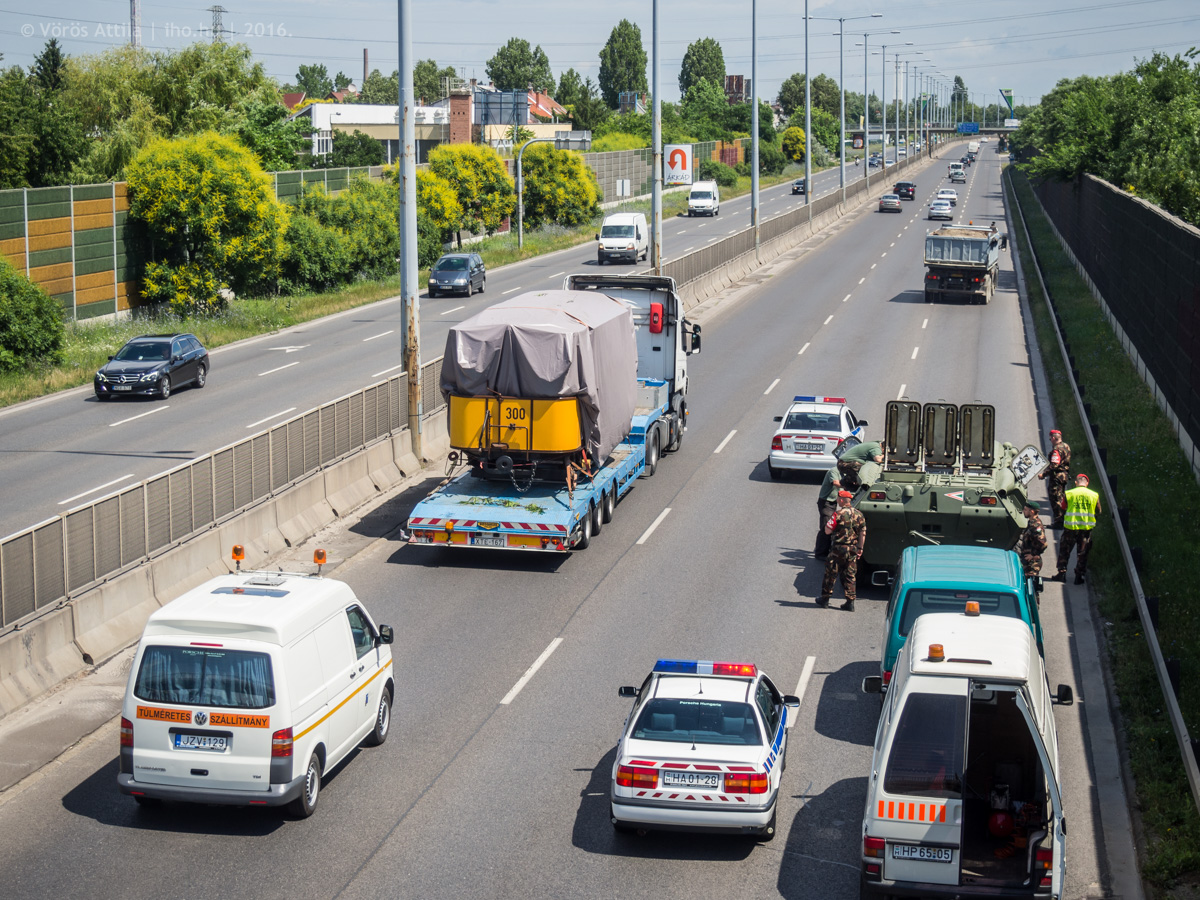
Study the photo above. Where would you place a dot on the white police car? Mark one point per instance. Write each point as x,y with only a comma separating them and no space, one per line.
809,432
702,750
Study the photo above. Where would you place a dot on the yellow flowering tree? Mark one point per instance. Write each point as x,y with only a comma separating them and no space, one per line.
559,187
480,181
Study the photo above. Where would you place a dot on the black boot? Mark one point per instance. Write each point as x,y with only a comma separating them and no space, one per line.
1079,579
848,606
1061,576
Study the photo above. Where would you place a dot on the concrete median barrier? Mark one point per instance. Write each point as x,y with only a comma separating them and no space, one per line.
36,657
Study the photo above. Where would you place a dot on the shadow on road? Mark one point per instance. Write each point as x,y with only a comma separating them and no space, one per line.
821,845
844,712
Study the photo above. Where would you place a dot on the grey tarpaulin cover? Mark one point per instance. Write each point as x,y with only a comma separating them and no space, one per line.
547,345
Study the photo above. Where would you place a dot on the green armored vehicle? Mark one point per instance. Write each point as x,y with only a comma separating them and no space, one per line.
944,480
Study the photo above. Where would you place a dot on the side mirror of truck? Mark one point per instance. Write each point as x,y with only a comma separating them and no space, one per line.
386,635
628,692
872,684
1065,696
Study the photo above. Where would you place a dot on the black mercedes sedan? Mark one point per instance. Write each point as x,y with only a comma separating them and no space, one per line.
153,364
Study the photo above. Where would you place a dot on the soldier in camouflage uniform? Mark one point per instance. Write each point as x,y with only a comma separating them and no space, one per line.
1032,542
1059,471
848,529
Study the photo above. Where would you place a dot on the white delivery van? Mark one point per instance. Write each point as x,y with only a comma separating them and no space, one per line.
704,199
623,236
964,797
973,147
250,688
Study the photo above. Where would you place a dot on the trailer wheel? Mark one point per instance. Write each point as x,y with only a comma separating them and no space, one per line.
597,518
680,424
585,532
609,504
651,454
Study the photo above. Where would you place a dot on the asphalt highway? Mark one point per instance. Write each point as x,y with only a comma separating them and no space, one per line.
709,559
69,449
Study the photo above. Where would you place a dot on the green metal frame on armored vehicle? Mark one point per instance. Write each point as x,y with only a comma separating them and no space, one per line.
944,480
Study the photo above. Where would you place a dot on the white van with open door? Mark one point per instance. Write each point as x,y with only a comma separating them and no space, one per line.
964,797
249,689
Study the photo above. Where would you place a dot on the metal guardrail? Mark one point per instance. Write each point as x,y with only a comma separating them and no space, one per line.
49,563
1149,628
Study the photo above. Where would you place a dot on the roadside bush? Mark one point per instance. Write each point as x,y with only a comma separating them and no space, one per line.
770,159
711,170
31,325
317,257
366,216
619,141
742,169
559,188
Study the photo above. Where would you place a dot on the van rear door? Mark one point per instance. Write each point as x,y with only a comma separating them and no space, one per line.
1058,840
203,716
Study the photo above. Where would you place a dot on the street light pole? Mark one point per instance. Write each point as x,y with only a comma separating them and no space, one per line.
754,119
807,117
656,140
841,36
406,177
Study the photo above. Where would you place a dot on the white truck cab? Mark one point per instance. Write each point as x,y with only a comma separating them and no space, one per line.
964,797
248,689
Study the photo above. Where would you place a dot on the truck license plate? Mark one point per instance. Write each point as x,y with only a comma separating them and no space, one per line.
927,854
710,780
489,540
215,743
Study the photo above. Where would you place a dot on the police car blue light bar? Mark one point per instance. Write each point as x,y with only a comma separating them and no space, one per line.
704,667
807,399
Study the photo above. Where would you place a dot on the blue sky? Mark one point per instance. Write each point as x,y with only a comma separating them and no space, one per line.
1025,45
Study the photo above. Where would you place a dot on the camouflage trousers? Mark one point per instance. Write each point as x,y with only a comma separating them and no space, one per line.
1081,541
842,560
1058,499
848,469
1032,563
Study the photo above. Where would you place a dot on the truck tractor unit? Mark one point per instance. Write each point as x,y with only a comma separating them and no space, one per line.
944,480
962,262
557,401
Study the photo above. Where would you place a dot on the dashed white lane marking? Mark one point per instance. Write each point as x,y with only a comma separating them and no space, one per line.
893,244
805,675
802,349
142,415
884,253
847,297
923,324
510,290
95,489
864,278
900,393
771,387
447,312
649,531
689,249
830,319
269,418
385,371
280,369
873,265
728,438
530,672
384,334
915,349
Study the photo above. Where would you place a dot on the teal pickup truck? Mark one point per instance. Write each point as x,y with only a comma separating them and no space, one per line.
942,579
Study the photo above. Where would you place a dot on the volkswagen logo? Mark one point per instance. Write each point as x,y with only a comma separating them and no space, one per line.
201,718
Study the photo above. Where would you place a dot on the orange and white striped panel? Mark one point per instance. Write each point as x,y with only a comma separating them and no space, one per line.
905,811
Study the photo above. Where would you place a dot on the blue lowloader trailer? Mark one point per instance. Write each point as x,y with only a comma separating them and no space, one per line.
519,512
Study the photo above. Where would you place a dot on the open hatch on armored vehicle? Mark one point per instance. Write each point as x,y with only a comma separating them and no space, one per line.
944,480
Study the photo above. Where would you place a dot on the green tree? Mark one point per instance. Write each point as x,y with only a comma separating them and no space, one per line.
825,95
480,181
792,143
438,199
559,188
314,80
703,59
355,150
31,322
590,112
264,128
517,67
791,94
622,63
14,133
208,216
379,90
58,140
825,129
706,110
570,89
49,67
341,81
427,80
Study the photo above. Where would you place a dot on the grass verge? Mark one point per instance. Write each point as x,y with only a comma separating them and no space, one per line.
1156,485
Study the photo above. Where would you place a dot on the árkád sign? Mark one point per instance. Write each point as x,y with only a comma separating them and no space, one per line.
677,159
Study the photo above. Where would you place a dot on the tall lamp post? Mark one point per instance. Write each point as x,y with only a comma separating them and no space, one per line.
841,36
867,104
902,94
883,101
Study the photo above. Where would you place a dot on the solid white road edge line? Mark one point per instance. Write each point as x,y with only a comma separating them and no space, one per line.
900,393
728,438
385,334
93,490
142,415
269,418
530,672
805,675
771,387
802,349
385,371
280,369
447,312
649,531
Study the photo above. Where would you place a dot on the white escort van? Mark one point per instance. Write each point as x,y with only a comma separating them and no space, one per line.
248,689
704,199
623,236
964,796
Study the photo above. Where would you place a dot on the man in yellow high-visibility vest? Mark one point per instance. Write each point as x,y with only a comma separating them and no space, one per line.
1083,505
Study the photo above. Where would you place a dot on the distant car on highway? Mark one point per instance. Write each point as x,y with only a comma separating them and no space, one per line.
153,365
958,177
889,203
458,273
809,433
948,194
703,749
798,186
906,189
940,209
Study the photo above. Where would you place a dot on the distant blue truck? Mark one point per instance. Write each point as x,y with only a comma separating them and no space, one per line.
481,508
